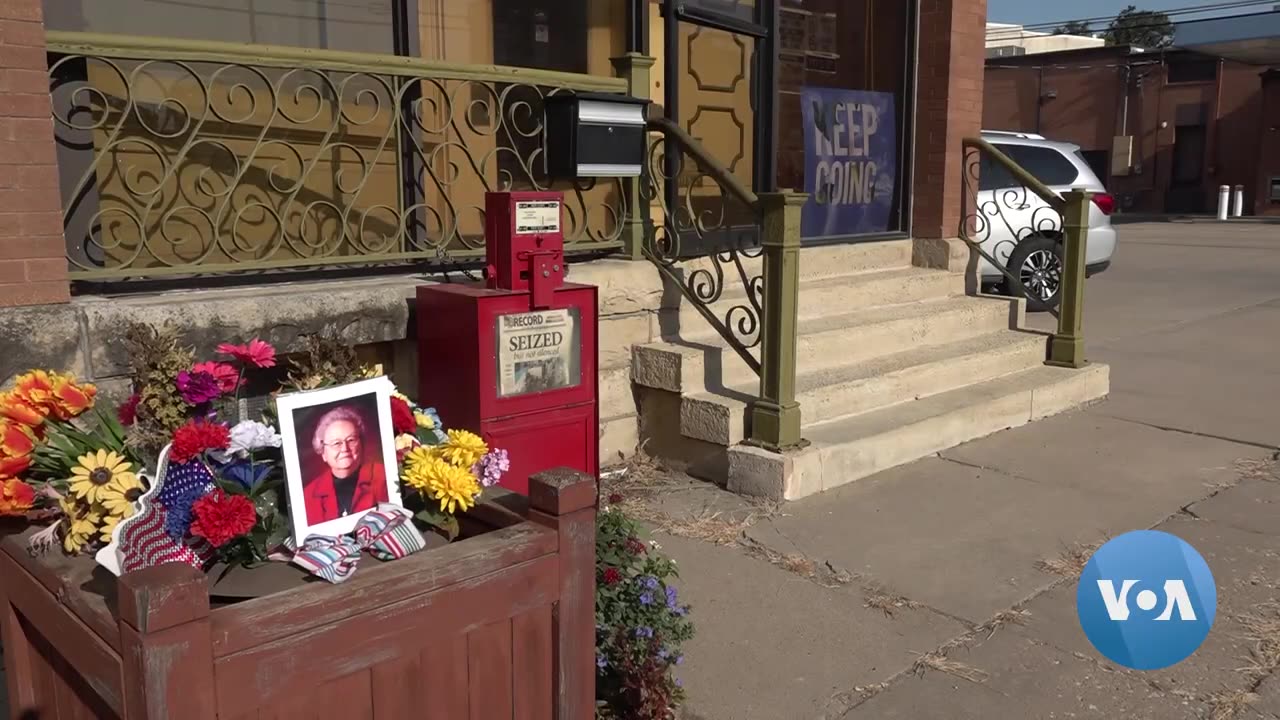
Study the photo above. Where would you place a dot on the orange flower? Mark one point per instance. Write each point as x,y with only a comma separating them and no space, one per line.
35,388
16,409
16,497
71,399
16,439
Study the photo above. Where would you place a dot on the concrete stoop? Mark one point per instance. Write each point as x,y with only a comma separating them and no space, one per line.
894,363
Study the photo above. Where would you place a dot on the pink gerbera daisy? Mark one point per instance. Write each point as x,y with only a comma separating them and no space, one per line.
256,353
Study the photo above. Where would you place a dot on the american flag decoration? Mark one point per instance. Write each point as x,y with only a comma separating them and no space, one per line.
142,541
179,480
145,543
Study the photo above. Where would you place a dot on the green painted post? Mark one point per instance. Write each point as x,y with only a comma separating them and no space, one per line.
775,415
1067,348
634,68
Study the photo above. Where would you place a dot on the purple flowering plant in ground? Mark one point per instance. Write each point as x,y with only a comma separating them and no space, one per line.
640,623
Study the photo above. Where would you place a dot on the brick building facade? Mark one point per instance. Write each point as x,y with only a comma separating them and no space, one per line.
1196,122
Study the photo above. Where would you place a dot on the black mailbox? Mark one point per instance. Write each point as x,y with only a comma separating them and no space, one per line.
595,135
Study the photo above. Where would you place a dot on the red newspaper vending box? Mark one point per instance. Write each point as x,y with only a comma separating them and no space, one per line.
515,358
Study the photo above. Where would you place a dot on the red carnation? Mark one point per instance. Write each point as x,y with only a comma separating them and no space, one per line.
196,437
402,420
128,412
220,517
612,576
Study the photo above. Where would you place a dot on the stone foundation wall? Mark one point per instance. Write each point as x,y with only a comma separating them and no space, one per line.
376,314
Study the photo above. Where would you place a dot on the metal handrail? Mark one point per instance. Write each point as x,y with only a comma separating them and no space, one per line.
131,47
706,162
1020,174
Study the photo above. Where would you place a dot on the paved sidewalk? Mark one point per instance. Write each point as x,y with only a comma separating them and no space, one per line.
945,588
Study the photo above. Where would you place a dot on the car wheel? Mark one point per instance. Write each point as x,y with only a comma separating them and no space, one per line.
1037,263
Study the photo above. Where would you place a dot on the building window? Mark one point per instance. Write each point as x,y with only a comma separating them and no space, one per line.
1192,70
319,24
844,74
577,36
1275,189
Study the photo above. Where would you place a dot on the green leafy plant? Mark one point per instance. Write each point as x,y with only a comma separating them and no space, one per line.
65,443
640,623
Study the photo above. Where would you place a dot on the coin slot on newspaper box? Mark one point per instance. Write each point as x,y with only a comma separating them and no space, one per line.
515,357
595,135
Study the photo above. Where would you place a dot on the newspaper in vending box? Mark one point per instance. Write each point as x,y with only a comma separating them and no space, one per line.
538,351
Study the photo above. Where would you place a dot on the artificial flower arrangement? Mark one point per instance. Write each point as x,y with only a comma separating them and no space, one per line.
165,478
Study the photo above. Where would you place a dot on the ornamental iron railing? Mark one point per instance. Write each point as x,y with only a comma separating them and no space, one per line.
705,236
1032,236
734,256
194,158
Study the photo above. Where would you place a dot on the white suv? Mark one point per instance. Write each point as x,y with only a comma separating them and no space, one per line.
1022,231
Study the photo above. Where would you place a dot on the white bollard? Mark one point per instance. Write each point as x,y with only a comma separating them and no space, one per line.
1237,202
1224,201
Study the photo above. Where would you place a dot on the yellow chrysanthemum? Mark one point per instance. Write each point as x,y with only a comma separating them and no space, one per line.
96,473
463,449
422,454
118,501
454,487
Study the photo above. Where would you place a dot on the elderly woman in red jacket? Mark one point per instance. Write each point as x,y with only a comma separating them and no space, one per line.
353,479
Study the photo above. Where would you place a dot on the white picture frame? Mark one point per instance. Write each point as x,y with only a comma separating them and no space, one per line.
313,509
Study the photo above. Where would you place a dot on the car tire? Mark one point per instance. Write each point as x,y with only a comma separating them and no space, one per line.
1037,262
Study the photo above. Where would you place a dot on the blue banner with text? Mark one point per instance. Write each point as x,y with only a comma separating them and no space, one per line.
850,161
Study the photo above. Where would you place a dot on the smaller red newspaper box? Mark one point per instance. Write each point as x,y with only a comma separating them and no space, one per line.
516,357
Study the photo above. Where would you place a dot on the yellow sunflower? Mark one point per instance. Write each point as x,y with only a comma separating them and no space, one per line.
97,472
121,494
463,449
81,525
108,526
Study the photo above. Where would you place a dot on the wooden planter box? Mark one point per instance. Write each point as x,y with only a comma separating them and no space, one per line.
499,625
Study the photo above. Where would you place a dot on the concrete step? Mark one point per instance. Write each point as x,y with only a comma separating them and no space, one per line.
686,366
722,417
823,261
833,295
852,448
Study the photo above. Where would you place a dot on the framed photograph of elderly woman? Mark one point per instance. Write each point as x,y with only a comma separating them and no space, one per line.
339,455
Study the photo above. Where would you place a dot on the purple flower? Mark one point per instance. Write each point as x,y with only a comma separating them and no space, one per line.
601,662
650,582
646,598
681,611
663,653
671,598
679,659
491,467
644,632
678,683
197,388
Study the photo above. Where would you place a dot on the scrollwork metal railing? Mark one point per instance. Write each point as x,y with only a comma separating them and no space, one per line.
1009,208
190,158
1032,236
705,236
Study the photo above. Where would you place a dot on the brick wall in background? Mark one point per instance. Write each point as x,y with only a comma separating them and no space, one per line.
33,266
948,109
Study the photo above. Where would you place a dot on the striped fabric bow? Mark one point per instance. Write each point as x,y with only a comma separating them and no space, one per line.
387,532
